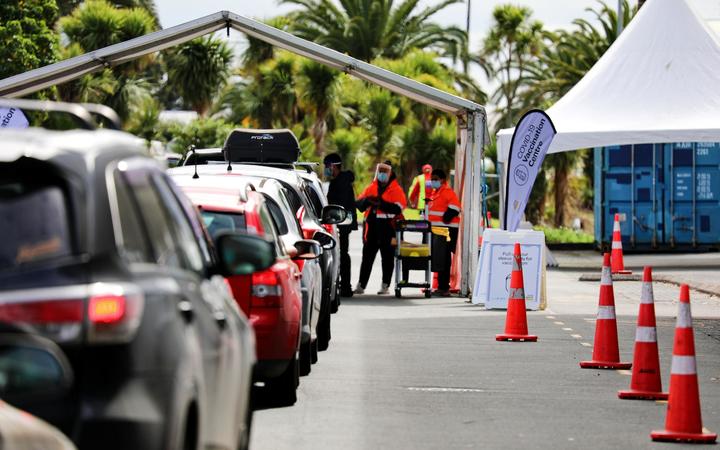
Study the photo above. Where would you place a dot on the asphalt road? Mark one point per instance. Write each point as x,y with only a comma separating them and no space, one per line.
421,373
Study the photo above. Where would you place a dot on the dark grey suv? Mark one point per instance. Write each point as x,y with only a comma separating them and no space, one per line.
105,256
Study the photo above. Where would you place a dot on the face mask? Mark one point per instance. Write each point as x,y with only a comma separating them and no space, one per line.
328,172
435,184
383,177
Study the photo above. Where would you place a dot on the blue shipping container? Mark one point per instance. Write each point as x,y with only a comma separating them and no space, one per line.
668,195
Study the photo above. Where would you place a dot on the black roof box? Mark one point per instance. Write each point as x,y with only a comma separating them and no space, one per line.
261,146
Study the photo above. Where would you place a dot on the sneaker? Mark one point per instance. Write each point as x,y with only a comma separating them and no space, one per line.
359,290
384,290
439,293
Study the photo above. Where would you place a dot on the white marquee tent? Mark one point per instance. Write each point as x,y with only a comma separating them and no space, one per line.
657,83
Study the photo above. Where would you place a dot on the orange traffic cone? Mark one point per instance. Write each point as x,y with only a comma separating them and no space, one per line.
683,421
645,382
605,349
516,328
618,266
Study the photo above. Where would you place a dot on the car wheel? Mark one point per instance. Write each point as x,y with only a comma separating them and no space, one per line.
305,358
323,332
314,351
283,388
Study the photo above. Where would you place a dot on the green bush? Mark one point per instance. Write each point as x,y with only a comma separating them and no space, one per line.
565,236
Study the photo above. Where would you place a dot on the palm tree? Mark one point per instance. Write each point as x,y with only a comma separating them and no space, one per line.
198,69
318,93
367,29
513,41
96,24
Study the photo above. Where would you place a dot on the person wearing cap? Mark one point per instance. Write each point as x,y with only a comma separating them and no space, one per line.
341,192
420,189
444,211
381,202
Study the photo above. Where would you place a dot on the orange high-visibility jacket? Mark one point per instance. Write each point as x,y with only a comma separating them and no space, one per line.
393,193
442,199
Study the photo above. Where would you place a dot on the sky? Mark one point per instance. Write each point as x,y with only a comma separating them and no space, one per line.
553,13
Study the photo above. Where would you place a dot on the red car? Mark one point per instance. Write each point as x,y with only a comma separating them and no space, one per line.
272,299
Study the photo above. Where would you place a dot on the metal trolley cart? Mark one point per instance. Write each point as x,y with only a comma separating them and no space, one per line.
409,256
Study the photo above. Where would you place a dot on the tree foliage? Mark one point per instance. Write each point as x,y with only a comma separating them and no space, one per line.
27,36
198,69
368,29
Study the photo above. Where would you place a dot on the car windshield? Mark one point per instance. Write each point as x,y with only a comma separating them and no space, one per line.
217,222
34,223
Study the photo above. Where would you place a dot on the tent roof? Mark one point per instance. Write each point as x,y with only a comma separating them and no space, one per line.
60,72
656,83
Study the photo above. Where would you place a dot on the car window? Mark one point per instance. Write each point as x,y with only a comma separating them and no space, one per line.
270,229
315,201
217,222
192,215
277,215
155,218
34,222
186,240
134,246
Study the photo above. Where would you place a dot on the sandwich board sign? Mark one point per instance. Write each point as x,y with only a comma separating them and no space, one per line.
492,282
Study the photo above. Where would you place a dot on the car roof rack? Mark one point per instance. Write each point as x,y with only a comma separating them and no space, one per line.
82,113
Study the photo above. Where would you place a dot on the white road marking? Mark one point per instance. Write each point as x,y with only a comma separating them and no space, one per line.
576,336
586,344
567,329
624,372
559,323
550,317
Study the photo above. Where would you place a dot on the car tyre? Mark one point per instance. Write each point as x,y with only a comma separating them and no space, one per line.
314,351
283,388
305,358
323,332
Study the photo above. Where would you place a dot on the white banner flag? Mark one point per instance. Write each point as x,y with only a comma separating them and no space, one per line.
530,142
13,118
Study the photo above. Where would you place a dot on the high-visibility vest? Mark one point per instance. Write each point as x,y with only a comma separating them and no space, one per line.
442,199
420,190
393,193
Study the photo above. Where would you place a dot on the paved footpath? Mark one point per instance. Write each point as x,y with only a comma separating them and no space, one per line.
416,373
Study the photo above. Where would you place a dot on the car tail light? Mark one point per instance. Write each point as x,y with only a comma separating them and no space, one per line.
266,290
104,312
114,312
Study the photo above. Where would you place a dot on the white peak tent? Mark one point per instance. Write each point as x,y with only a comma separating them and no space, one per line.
659,82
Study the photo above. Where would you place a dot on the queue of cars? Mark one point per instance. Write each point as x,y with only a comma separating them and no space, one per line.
159,298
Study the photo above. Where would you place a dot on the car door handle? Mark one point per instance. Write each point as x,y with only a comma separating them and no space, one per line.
186,310
220,318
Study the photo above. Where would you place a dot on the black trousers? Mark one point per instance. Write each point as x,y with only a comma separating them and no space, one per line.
377,235
444,274
345,262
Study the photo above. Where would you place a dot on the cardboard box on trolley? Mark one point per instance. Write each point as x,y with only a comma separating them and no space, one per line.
495,266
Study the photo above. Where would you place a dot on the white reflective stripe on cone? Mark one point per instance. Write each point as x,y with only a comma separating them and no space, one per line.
645,334
683,365
606,277
516,264
606,312
684,317
616,226
646,295
616,245
517,293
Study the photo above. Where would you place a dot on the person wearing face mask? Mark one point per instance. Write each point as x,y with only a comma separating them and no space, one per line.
444,211
341,192
420,189
381,201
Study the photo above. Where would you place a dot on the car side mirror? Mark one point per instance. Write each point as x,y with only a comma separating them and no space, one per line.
244,254
307,249
333,215
325,239
30,367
